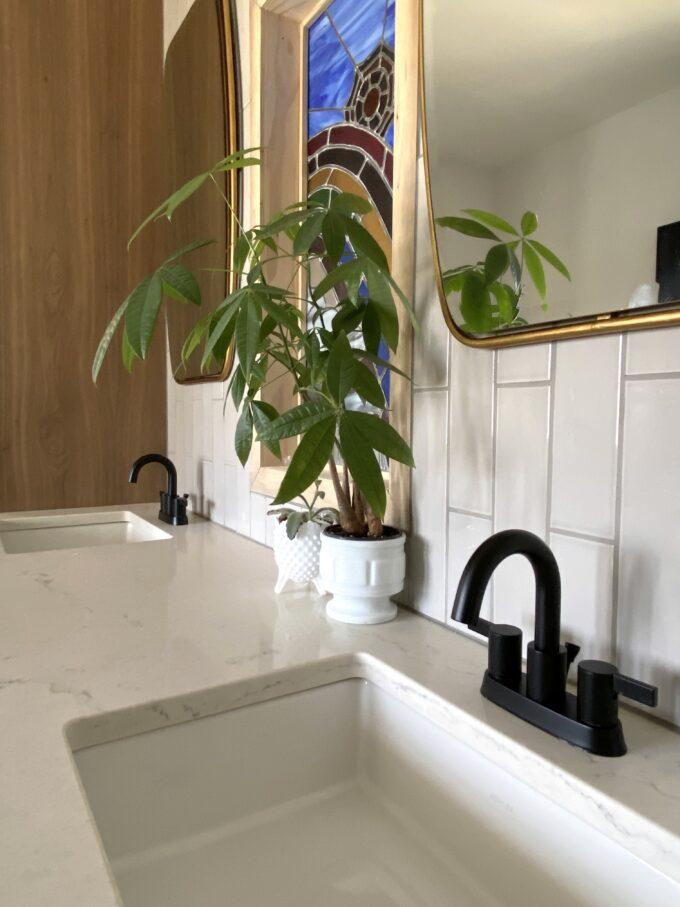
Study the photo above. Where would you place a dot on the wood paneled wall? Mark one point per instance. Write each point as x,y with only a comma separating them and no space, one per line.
80,166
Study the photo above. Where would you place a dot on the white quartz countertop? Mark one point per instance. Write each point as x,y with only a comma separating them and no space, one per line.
84,632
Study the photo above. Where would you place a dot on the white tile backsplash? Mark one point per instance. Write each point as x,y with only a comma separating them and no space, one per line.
471,396
427,542
524,363
653,352
521,482
585,432
586,568
466,534
648,619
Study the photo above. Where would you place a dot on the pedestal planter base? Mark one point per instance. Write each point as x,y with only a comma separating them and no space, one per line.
362,574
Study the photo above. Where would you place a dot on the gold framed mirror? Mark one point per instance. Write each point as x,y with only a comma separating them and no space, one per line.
202,125
550,134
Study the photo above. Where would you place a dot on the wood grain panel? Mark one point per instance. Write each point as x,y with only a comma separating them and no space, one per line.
80,107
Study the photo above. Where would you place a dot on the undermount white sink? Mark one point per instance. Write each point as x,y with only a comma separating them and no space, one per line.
336,796
75,530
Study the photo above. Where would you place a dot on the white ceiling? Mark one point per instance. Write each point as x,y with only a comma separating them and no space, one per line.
506,76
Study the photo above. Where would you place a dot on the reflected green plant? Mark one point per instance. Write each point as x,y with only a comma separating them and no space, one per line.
490,291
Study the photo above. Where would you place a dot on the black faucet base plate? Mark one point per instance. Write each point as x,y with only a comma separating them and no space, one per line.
171,520
602,741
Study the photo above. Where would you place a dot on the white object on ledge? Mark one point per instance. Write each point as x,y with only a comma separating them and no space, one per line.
298,558
362,575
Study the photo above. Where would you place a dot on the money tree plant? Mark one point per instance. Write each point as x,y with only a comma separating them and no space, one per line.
490,291
278,333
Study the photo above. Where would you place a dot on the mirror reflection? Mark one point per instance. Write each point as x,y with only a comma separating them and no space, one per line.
201,128
552,134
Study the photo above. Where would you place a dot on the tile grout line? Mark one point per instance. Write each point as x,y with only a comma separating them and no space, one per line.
424,388
465,512
551,440
527,382
447,517
494,446
583,536
618,506
651,376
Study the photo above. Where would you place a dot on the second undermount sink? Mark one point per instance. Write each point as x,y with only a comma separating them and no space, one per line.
341,796
75,530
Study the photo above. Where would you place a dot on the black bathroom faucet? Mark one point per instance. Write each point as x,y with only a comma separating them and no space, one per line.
589,719
173,508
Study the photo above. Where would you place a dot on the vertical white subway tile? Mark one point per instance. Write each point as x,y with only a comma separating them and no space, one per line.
648,615
427,542
466,534
218,433
520,492
653,352
524,363
229,427
587,571
471,429
258,517
585,436
237,499
218,514
270,524
431,342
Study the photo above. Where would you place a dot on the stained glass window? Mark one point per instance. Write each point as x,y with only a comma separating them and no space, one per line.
350,128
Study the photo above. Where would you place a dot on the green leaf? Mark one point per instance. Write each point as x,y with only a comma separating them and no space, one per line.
535,269
341,368
333,232
170,205
179,283
225,324
283,222
184,250
107,336
141,314
263,415
453,282
475,304
293,523
550,257
296,421
344,272
380,436
370,328
496,263
348,203
368,387
308,232
361,461
238,386
309,459
466,226
129,355
347,318
243,436
194,337
506,300
380,295
365,244
529,223
248,333
491,220
282,313
381,363
404,301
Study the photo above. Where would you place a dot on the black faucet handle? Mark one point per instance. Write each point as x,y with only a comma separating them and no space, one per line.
638,690
572,652
599,685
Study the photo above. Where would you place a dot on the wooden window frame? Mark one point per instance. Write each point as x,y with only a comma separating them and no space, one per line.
278,126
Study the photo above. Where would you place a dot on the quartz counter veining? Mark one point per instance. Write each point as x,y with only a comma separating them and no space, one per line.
141,636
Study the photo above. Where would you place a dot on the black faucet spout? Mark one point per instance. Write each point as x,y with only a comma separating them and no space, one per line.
480,568
173,509
156,458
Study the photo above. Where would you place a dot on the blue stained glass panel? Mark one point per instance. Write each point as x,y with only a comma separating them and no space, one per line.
331,72
321,119
360,23
390,24
389,135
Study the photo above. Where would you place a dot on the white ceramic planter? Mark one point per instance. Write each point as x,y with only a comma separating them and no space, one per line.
362,574
298,558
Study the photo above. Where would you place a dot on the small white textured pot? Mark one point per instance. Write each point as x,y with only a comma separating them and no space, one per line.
298,558
362,574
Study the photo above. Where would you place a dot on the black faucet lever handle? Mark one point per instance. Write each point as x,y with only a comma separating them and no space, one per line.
637,690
